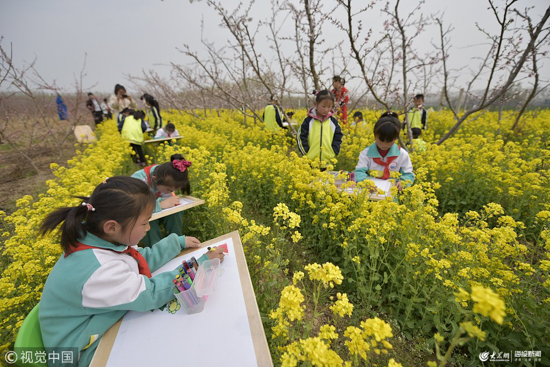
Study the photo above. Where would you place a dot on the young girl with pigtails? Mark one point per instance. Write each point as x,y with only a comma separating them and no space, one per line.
163,180
102,273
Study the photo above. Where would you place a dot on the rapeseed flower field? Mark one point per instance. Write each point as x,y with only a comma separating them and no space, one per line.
458,265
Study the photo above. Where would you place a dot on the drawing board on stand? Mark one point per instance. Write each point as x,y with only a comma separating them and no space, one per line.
162,139
228,332
383,186
186,202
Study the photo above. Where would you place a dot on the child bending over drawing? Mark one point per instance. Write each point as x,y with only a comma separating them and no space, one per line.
102,273
163,180
384,159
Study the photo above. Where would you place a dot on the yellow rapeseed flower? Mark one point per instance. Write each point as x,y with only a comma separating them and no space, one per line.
488,303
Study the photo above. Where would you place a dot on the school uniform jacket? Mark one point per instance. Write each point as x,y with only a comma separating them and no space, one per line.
88,291
161,134
153,111
367,168
319,139
141,175
132,130
272,118
417,118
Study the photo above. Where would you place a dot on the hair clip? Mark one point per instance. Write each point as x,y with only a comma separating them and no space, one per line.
105,181
89,206
181,164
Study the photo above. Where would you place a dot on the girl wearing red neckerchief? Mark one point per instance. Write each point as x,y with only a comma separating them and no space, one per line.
163,180
384,159
102,273
341,95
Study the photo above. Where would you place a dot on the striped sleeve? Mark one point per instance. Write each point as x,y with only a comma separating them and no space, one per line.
303,136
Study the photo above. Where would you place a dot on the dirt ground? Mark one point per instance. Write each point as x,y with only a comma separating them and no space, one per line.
33,126
19,178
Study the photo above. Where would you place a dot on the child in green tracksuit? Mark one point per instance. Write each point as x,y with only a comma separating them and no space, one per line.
163,180
102,274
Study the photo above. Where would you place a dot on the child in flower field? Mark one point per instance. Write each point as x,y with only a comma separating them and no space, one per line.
320,136
132,131
163,180
342,98
168,131
102,273
122,116
384,159
153,110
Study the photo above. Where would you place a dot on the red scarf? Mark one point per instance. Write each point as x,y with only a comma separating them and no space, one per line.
143,267
386,164
147,171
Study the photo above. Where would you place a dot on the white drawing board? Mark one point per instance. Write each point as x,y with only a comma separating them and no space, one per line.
384,185
161,139
228,332
186,202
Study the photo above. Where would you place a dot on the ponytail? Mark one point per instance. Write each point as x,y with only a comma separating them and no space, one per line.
73,219
121,198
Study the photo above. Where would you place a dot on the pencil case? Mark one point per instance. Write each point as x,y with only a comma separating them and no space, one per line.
192,300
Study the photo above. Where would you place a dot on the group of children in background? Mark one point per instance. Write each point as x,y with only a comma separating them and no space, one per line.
320,137
132,123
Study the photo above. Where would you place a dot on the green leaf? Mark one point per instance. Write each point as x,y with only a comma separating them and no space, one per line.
437,320
431,308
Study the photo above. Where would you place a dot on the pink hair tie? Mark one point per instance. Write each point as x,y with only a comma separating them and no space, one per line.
181,164
89,206
105,181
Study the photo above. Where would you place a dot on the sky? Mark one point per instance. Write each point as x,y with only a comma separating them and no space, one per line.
118,38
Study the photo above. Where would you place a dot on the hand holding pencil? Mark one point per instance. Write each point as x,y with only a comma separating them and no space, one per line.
215,252
170,202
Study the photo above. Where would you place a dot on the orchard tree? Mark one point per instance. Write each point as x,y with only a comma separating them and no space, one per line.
508,52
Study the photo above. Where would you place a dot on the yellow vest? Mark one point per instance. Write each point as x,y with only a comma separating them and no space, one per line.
270,118
415,118
131,131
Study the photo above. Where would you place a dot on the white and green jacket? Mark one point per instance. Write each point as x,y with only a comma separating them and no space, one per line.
401,168
142,175
90,290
